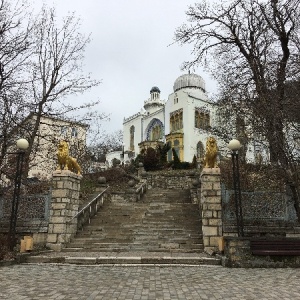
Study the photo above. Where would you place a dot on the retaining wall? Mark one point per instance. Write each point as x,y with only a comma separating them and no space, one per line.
237,254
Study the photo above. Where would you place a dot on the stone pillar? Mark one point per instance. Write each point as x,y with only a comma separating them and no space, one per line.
140,169
211,208
101,184
64,205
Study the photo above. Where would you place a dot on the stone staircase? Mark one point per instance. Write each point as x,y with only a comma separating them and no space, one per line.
163,221
164,227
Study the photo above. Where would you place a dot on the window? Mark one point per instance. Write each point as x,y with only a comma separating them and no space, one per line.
176,147
175,99
172,123
132,129
63,130
74,132
156,133
202,119
176,120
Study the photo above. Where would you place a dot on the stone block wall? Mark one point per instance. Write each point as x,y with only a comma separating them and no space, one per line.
211,208
64,205
181,180
237,254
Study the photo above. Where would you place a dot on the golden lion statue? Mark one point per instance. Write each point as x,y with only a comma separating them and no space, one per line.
210,159
66,162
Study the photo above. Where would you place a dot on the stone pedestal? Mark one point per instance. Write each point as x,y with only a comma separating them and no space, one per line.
211,208
64,206
141,170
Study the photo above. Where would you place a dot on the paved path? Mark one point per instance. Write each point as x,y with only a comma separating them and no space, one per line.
47,281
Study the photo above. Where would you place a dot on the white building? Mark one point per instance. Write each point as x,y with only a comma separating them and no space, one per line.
183,120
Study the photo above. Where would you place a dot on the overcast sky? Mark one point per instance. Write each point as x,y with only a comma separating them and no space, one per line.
130,51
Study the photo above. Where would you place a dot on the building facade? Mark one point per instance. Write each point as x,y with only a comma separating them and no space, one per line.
43,161
183,120
43,156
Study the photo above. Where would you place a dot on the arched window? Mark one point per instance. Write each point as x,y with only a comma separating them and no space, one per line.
132,129
154,130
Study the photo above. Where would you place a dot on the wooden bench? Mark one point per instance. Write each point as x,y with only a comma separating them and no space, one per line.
275,246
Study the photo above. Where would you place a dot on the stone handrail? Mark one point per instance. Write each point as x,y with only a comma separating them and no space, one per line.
141,189
89,210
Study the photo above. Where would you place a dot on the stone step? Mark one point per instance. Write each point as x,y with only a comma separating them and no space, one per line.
140,238
126,243
164,221
150,232
135,248
138,258
132,240
144,225
150,219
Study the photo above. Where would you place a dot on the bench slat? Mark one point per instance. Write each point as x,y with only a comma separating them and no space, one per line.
276,252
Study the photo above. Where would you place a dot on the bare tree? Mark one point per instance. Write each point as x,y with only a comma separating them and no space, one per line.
56,67
254,42
40,68
14,53
107,143
254,45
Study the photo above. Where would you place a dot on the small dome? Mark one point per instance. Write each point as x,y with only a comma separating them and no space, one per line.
155,89
189,81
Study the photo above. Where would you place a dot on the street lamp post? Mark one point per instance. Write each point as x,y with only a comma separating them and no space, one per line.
22,145
123,154
234,146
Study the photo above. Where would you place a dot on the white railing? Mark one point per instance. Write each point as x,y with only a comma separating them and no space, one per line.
88,211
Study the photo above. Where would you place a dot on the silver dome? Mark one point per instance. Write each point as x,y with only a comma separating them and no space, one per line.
189,81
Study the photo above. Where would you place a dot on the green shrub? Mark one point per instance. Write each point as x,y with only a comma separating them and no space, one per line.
194,163
151,160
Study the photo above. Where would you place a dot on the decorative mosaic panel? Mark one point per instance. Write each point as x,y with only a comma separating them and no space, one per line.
30,207
176,112
259,206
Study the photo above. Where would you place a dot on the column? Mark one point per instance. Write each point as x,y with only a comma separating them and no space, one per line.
211,208
64,206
